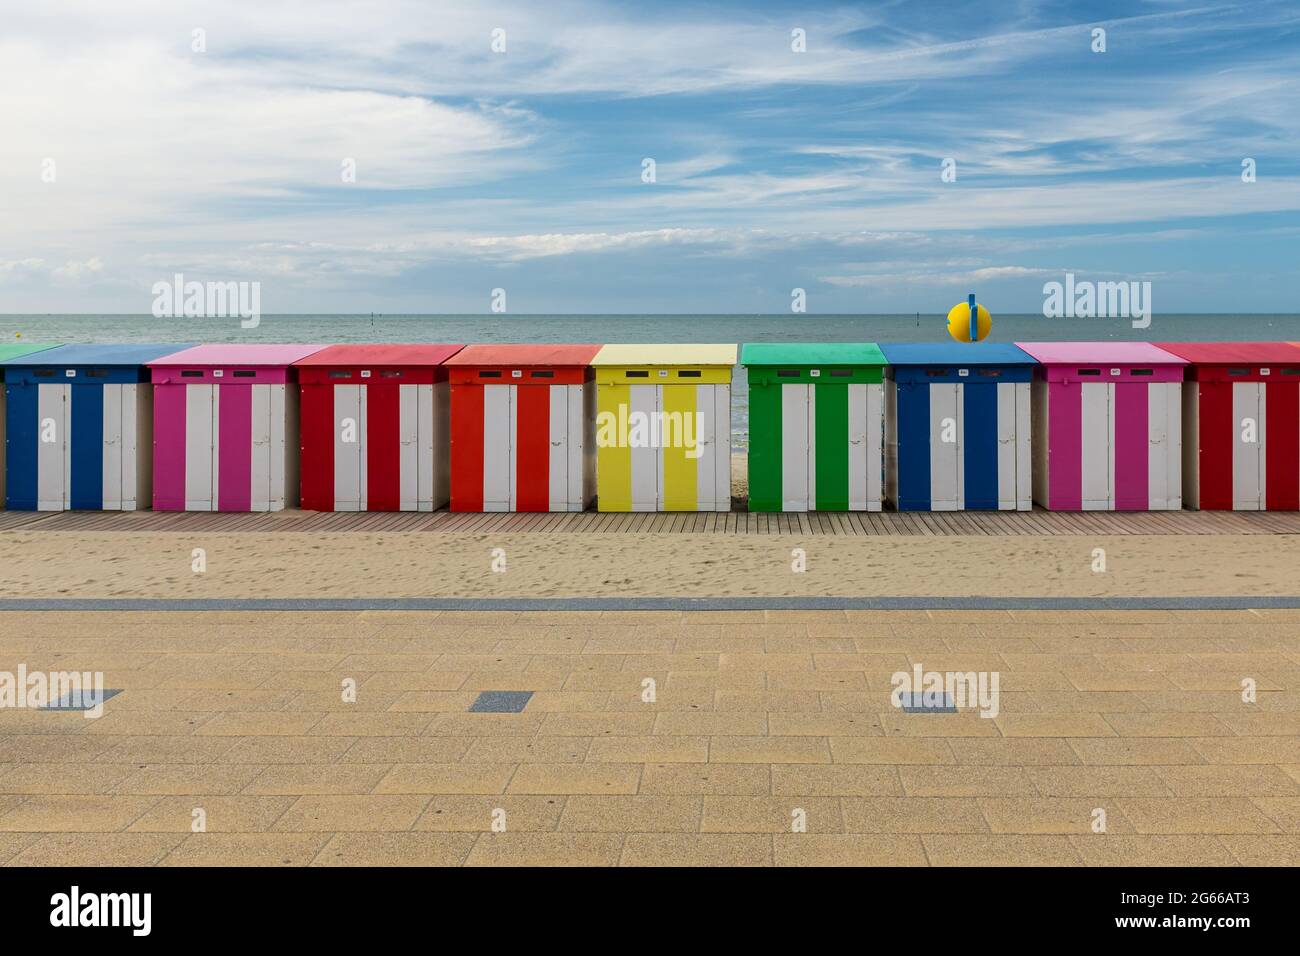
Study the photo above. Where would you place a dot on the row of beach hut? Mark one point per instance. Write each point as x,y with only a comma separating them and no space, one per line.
832,427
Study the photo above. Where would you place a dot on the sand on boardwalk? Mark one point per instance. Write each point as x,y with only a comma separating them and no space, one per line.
422,564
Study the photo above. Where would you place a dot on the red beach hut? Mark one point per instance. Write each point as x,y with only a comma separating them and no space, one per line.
1241,424
522,427
375,422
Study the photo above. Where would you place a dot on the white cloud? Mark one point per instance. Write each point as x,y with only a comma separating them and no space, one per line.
73,271
29,264
228,162
559,244
575,46
139,134
940,275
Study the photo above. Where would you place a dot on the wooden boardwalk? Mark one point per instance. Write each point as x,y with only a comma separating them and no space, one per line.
916,524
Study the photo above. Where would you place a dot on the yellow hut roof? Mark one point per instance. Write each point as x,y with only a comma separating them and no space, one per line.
622,354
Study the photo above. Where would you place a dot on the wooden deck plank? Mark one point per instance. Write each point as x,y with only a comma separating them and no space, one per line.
1038,522
879,522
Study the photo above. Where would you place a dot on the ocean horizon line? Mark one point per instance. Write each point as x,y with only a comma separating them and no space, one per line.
636,315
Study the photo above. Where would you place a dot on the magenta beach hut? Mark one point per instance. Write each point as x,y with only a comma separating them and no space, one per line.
226,428
1107,426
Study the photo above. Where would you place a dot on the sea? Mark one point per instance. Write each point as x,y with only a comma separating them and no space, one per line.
505,327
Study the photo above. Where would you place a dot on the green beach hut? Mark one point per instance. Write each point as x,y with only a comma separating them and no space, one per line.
815,426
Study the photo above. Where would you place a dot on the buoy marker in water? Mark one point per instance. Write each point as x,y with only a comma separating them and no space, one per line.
969,321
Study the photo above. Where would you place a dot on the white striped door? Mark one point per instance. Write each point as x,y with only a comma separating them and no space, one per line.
115,457
810,451
267,465
127,476
647,460
54,447
498,447
718,451
1157,446
575,447
1172,491
557,449
1164,443
434,429
798,461
1248,491
201,425
1006,432
1024,448
349,447
707,444
864,446
1097,421
945,456
278,408
415,478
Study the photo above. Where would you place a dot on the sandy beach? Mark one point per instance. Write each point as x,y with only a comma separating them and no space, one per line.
287,564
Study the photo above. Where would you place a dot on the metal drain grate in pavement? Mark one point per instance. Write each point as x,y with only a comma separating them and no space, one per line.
500,702
921,702
82,701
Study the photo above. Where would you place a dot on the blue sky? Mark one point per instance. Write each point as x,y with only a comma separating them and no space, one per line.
129,156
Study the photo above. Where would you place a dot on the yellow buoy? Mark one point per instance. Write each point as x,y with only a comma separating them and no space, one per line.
959,324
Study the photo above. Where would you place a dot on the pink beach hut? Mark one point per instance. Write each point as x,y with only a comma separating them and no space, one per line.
226,428
1107,426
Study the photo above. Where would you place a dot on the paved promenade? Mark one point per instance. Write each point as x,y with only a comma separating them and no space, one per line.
770,739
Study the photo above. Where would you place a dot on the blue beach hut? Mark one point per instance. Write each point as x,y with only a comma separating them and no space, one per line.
957,427
11,351
78,427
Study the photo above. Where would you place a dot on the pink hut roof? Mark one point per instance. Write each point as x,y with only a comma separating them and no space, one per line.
1235,353
543,355
250,355
381,354
1099,353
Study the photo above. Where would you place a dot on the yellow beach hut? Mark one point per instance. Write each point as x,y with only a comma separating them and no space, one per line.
663,427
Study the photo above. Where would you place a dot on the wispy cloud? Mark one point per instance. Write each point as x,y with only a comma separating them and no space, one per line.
126,154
